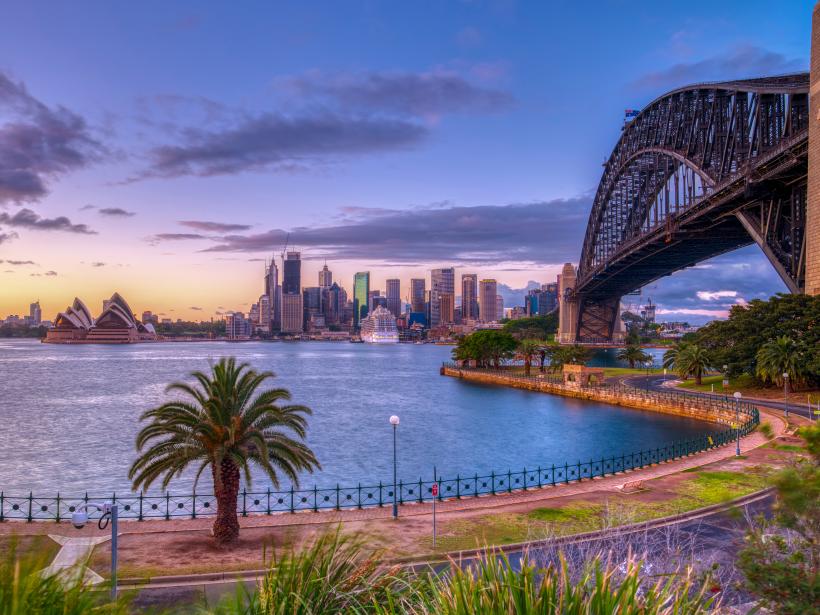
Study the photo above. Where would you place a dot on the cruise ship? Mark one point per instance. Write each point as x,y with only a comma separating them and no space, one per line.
380,327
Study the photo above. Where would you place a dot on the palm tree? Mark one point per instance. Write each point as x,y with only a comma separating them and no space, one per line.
633,354
227,426
780,356
526,350
692,360
670,357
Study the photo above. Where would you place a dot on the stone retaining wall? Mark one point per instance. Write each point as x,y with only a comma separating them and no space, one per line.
690,407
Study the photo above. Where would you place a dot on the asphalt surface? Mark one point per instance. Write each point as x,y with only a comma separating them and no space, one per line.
654,382
710,540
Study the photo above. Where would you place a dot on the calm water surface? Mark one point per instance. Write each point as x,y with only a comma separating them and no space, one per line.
70,413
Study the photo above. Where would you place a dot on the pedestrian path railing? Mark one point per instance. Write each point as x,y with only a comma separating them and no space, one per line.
372,494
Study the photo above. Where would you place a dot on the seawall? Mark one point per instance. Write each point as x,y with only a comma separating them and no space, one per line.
666,403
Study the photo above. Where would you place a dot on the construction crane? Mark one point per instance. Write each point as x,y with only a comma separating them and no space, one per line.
285,248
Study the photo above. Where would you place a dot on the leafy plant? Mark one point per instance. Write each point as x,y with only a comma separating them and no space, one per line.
633,354
225,425
526,350
781,356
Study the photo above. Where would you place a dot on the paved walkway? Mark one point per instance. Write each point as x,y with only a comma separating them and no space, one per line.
73,556
613,483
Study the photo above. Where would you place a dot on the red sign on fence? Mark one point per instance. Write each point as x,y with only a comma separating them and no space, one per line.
435,489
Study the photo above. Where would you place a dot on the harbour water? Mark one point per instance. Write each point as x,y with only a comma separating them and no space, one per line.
69,414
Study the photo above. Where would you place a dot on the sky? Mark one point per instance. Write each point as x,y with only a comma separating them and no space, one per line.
165,150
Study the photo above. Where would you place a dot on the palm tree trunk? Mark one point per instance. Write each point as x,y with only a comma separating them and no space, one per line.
527,364
698,378
542,360
226,525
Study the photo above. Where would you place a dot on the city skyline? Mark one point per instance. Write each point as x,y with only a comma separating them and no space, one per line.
347,142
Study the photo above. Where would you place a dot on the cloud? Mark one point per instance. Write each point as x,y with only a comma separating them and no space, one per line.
195,308
87,207
50,273
26,218
6,237
47,273
421,94
17,263
214,227
739,62
706,295
38,143
277,142
175,237
98,264
116,211
541,233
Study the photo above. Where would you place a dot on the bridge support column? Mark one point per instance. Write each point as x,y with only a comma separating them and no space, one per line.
567,306
813,205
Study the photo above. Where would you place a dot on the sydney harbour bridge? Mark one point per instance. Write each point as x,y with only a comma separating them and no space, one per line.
701,171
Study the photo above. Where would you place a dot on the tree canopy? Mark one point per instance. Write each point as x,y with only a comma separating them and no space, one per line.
535,327
485,347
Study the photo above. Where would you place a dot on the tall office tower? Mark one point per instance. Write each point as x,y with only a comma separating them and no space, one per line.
274,293
333,301
442,281
549,298
469,296
487,291
253,314
394,296
447,305
312,302
237,326
264,314
499,307
361,294
325,277
292,310
417,290
35,314
370,297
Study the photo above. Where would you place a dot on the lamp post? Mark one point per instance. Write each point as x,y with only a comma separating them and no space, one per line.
737,421
110,515
786,393
394,421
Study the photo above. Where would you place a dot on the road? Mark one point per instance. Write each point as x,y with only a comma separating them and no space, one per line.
655,382
711,538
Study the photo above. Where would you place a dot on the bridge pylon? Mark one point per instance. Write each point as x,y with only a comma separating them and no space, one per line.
813,200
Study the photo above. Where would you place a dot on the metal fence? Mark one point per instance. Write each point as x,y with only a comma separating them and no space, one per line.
141,507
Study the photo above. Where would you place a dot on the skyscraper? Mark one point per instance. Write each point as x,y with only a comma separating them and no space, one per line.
442,281
447,304
35,314
469,296
417,289
273,291
361,295
325,277
499,307
292,314
487,291
394,296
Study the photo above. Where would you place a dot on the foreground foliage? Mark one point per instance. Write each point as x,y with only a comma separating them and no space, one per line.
225,425
781,558
335,576
24,590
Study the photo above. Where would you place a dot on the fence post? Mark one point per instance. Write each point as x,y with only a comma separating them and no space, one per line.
475,485
492,478
401,492
193,505
552,475
292,509
139,517
539,477
337,497
458,486
244,503
421,493
267,502
58,507
360,495
509,481
2,508
167,506
30,502
380,494
315,499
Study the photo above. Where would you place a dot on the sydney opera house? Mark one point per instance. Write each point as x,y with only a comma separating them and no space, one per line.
115,325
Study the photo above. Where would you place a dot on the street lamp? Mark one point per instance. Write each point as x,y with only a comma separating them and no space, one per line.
785,392
737,421
394,421
110,515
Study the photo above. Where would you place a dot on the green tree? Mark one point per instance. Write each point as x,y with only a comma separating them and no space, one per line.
670,357
486,347
563,355
781,356
526,350
692,360
782,557
536,327
633,354
226,424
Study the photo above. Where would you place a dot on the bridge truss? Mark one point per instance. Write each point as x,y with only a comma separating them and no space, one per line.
701,171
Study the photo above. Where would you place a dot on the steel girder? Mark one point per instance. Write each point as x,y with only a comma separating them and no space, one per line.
702,170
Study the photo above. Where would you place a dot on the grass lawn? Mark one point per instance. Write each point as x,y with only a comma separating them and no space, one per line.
612,372
741,383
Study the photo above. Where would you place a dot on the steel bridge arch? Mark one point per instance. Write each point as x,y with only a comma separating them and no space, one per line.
735,151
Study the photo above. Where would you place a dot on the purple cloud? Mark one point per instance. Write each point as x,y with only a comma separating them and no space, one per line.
26,218
116,212
214,227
